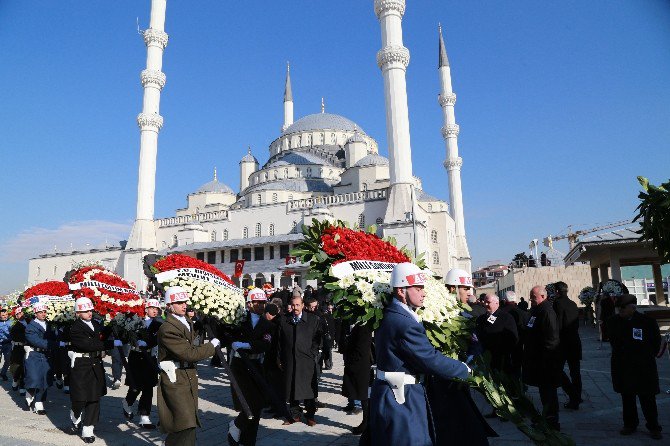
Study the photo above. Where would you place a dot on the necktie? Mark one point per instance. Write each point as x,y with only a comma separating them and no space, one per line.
296,319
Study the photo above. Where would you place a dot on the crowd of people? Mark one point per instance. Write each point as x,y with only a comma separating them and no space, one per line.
276,357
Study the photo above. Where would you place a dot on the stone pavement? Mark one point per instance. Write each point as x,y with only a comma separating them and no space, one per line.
596,423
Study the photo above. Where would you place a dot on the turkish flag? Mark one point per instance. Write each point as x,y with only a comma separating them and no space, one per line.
239,267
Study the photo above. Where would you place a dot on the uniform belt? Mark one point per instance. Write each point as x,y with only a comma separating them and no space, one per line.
184,365
16,344
406,379
139,349
40,350
90,354
250,356
65,344
397,381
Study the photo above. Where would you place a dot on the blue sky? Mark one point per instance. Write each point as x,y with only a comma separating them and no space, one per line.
561,105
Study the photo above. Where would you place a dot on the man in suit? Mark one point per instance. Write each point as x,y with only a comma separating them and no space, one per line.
87,376
18,336
570,348
40,342
398,405
142,374
299,340
178,382
249,344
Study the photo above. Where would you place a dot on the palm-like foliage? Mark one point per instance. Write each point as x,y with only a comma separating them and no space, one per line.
654,216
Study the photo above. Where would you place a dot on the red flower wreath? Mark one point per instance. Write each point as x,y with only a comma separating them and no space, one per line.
107,302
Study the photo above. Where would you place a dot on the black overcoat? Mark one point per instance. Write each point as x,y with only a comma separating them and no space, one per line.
357,362
635,343
299,352
142,365
567,315
498,334
87,377
18,334
61,361
541,359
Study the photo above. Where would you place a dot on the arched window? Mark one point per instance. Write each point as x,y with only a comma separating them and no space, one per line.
38,271
294,228
245,232
379,220
174,240
266,176
299,172
272,229
436,258
258,229
274,197
225,234
290,197
55,269
258,199
361,221
332,138
275,174
433,236
309,172
430,207
365,186
212,236
285,173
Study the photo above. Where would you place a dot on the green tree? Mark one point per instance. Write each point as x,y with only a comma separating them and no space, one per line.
654,216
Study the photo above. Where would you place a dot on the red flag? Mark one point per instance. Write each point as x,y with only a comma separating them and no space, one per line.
239,267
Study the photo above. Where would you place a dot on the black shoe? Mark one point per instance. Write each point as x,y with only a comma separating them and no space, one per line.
656,434
231,441
628,430
348,408
15,388
355,411
492,414
88,439
148,426
571,405
4,377
319,404
41,412
358,430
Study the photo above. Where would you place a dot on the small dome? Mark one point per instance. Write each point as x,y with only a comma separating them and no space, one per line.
372,160
215,186
249,158
357,137
322,121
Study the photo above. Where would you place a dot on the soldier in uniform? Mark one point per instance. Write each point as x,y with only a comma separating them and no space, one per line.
40,342
178,382
5,342
61,360
636,340
87,376
17,358
252,341
142,373
398,403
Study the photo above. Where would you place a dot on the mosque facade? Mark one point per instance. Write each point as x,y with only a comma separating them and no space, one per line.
322,166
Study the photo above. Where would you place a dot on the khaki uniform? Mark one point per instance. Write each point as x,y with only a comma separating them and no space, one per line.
178,401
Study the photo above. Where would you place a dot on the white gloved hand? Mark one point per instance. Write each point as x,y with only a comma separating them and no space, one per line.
215,342
61,344
237,345
141,343
118,343
469,369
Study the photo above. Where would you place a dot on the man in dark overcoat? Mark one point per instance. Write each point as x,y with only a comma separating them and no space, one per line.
541,362
61,360
357,358
40,343
17,358
249,344
635,340
87,375
178,381
570,348
299,340
520,316
497,333
142,373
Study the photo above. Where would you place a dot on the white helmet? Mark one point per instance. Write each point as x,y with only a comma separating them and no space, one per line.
457,276
406,275
256,295
176,294
152,303
39,306
83,304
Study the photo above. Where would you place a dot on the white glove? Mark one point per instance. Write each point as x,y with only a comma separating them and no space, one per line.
215,342
240,345
61,344
469,369
118,343
141,343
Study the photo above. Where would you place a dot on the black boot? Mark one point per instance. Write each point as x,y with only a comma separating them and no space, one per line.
358,430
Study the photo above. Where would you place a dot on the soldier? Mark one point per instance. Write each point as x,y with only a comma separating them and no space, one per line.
178,382
142,373
87,376
252,341
635,340
39,343
459,282
18,336
398,404
5,342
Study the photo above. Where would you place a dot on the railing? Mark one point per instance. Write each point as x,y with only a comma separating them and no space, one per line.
185,219
352,197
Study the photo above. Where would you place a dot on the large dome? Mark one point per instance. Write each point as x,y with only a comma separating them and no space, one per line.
322,121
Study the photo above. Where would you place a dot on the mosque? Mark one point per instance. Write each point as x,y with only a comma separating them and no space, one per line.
321,166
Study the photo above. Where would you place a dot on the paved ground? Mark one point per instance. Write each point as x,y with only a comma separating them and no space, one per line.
596,423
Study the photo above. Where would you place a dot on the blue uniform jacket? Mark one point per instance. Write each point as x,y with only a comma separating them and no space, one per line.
401,345
37,365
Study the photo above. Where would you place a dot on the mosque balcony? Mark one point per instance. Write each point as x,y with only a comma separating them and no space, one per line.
186,219
336,200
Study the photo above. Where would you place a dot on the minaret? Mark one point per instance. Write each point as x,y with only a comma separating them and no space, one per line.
393,59
288,100
453,163
143,234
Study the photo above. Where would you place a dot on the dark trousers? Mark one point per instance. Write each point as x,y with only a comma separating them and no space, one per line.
144,406
248,428
6,350
310,408
181,438
649,410
91,411
117,364
549,398
572,385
